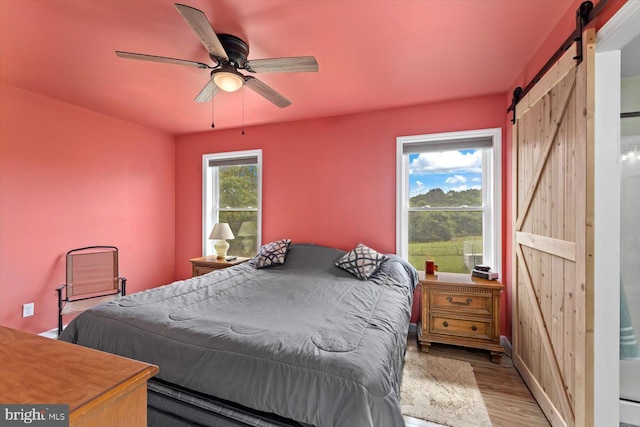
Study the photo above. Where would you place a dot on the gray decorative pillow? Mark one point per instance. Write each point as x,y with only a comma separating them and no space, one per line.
362,261
272,253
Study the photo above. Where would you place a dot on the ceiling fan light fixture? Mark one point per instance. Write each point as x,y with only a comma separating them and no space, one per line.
227,81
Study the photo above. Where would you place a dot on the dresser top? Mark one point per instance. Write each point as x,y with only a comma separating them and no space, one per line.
41,370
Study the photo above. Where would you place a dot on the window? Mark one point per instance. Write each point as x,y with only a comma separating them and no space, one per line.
232,193
449,201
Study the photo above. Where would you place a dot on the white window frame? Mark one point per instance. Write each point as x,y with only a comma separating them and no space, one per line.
492,190
210,187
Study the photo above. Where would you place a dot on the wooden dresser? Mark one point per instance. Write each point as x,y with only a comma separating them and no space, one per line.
462,310
207,264
101,389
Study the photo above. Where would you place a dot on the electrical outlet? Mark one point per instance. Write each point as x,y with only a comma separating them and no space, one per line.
27,309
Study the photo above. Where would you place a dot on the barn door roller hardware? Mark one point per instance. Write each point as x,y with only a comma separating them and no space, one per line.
584,16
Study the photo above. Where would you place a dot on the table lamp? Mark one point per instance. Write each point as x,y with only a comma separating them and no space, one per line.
222,232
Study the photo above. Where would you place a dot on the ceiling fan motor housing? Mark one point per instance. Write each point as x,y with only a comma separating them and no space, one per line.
236,48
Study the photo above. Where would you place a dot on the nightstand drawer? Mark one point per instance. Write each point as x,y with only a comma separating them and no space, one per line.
461,302
469,328
199,271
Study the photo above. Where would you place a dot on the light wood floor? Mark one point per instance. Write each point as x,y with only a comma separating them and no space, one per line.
508,400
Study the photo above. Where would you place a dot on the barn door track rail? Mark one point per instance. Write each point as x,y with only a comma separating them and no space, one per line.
585,14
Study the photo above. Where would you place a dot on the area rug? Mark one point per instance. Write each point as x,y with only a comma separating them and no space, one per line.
442,391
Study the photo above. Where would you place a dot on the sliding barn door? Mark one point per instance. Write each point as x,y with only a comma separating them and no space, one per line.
553,210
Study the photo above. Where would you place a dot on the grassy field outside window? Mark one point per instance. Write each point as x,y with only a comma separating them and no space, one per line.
449,255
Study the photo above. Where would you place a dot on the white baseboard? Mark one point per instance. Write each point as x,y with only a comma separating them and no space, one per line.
506,345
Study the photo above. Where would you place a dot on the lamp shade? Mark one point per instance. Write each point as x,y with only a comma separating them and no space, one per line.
247,229
221,231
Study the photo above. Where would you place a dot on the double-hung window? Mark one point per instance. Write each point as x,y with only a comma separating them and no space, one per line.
449,199
232,187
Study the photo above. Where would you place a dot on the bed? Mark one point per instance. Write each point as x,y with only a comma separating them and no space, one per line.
304,343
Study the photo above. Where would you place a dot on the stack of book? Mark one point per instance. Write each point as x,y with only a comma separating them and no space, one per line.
484,272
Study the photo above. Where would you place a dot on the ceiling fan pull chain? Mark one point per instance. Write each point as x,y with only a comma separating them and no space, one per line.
243,109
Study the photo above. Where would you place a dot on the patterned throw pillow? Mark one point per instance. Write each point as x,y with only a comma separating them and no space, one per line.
272,253
362,261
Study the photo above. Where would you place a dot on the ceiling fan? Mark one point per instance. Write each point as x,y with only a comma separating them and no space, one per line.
230,55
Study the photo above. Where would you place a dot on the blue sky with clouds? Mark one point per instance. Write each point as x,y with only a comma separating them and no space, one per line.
448,170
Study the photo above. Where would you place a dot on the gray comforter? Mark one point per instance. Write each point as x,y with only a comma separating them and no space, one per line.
304,340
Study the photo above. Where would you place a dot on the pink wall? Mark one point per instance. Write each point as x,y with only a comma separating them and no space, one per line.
330,181
69,178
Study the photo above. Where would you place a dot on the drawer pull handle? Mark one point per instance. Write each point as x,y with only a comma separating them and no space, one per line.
474,328
465,303
445,324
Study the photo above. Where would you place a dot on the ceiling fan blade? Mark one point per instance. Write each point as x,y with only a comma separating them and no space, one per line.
262,89
208,92
297,64
153,58
200,25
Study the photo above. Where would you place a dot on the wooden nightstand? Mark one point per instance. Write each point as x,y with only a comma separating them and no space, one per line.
462,310
207,264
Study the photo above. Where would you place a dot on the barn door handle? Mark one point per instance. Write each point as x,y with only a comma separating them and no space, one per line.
465,303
